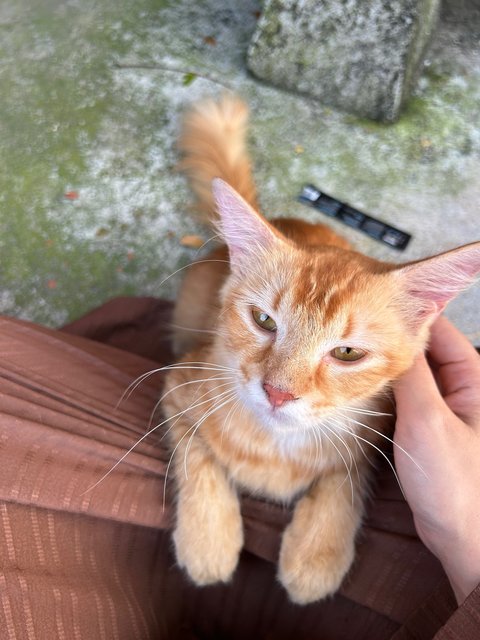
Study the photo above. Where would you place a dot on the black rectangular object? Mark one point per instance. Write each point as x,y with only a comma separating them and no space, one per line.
328,205
374,228
352,217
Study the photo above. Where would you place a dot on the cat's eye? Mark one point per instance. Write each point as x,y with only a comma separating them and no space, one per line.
264,320
347,354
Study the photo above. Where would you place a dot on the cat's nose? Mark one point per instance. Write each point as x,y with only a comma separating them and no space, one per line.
277,397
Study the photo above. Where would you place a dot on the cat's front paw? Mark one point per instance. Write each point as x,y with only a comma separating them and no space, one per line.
209,556
312,569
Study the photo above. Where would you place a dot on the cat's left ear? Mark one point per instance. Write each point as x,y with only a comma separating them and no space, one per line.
244,230
430,284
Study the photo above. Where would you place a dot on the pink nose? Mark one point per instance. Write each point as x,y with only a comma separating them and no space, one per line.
276,396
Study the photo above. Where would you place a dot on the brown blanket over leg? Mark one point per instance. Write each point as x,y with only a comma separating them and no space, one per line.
86,560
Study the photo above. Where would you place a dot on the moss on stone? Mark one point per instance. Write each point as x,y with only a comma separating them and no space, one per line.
73,122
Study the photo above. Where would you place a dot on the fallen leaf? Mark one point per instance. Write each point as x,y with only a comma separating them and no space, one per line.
188,78
52,284
71,195
299,148
194,242
210,40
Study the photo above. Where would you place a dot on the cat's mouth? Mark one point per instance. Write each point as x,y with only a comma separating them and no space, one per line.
293,417
255,399
278,416
274,417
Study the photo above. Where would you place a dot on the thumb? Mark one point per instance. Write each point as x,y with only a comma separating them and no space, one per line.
416,392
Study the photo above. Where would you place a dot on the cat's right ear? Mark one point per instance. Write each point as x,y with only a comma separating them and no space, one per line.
431,283
245,232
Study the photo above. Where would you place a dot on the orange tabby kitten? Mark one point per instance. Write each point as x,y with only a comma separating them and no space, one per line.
291,339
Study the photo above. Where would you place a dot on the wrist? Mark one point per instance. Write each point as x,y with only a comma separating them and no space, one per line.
461,563
463,580
460,558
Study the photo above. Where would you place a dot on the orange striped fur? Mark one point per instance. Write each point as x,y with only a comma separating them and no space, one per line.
315,448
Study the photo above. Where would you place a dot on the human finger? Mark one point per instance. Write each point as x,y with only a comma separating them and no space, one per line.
416,391
448,344
456,362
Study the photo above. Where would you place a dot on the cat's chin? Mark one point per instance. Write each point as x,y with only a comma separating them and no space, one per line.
286,432
276,419
287,420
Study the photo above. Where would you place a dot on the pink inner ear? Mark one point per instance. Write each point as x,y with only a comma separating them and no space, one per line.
242,228
438,280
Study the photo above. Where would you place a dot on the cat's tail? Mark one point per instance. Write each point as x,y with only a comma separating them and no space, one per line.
212,143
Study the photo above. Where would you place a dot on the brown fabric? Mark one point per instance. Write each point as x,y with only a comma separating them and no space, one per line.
84,561
465,622
138,325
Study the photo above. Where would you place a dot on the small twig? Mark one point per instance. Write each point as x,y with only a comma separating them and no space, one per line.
184,72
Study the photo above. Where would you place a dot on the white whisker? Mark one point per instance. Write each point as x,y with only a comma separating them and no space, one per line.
179,326
324,426
352,457
214,237
360,424
195,365
217,406
367,412
317,433
355,435
145,435
190,265
181,439
194,406
184,384
228,420
312,434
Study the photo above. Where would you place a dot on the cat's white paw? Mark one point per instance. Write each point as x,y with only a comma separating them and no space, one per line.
209,556
313,571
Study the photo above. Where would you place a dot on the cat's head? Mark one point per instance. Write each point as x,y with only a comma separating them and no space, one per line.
315,330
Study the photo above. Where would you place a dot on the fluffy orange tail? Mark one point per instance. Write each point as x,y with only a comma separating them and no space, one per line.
212,142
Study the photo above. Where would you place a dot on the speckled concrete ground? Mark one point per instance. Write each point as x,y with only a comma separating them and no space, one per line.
90,97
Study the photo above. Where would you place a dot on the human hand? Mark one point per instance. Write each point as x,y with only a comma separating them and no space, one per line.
438,424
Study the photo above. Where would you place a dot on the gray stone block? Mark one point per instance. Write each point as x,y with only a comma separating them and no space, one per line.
359,55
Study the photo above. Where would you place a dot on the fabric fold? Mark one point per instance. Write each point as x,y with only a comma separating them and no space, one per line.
86,531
